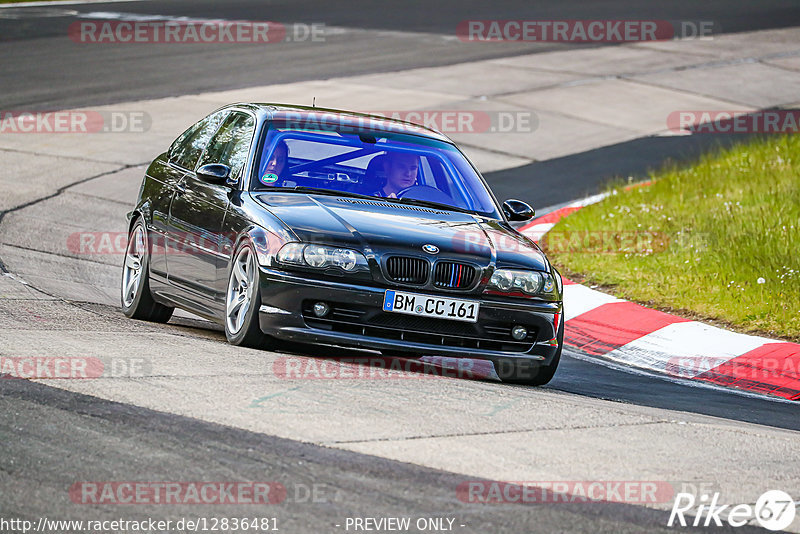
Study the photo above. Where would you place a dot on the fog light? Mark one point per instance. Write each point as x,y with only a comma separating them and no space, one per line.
519,332
321,309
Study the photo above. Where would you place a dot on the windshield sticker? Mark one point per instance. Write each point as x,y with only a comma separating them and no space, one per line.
269,178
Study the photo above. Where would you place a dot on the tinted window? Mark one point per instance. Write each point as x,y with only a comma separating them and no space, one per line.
231,143
384,164
186,150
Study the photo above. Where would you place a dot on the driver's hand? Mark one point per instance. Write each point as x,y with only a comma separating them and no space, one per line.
391,195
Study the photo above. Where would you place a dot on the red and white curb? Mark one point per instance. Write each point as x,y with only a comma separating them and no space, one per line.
622,332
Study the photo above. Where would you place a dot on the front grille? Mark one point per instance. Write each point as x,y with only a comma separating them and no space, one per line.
407,270
451,275
401,321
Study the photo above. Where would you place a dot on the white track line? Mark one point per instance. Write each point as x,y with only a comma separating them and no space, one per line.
69,3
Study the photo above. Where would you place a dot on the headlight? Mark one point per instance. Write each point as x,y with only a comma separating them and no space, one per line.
291,253
316,256
322,257
526,282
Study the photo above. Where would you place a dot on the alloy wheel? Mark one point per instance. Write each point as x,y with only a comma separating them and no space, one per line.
240,290
134,262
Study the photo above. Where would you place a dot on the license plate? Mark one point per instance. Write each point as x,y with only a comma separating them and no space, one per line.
427,306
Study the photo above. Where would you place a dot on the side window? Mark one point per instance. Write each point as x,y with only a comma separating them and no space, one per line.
187,148
231,143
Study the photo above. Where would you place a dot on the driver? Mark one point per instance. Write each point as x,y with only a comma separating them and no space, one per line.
273,172
401,173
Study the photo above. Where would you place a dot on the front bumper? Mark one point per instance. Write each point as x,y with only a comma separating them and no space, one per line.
357,320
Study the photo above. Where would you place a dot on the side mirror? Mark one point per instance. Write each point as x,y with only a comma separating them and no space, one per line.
214,173
517,210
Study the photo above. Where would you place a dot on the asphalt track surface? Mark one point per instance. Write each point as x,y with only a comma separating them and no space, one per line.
44,69
49,435
168,447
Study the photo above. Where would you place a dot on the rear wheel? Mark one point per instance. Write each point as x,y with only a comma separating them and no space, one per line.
242,300
137,301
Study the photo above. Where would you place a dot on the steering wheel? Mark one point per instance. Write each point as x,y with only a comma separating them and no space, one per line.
426,192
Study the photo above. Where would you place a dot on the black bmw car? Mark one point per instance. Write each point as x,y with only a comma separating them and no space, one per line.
324,226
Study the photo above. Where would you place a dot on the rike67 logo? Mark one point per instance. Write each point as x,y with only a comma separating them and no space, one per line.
774,510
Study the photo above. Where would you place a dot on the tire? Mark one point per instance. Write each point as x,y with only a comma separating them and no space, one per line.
242,300
135,296
529,373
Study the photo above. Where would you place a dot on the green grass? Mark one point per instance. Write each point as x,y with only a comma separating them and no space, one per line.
720,226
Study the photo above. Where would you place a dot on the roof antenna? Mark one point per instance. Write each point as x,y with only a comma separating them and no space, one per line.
314,102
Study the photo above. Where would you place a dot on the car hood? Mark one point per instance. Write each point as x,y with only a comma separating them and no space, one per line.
379,227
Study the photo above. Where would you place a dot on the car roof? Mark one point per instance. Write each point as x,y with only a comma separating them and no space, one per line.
350,119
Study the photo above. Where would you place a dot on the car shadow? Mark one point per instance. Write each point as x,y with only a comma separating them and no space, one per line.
331,361
575,376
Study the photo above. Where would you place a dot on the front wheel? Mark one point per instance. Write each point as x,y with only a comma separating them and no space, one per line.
242,300
137,301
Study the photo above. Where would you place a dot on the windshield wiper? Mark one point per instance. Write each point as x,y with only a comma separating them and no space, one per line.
323,191
432,204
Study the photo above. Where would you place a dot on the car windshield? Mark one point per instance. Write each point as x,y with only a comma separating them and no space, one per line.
397,166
